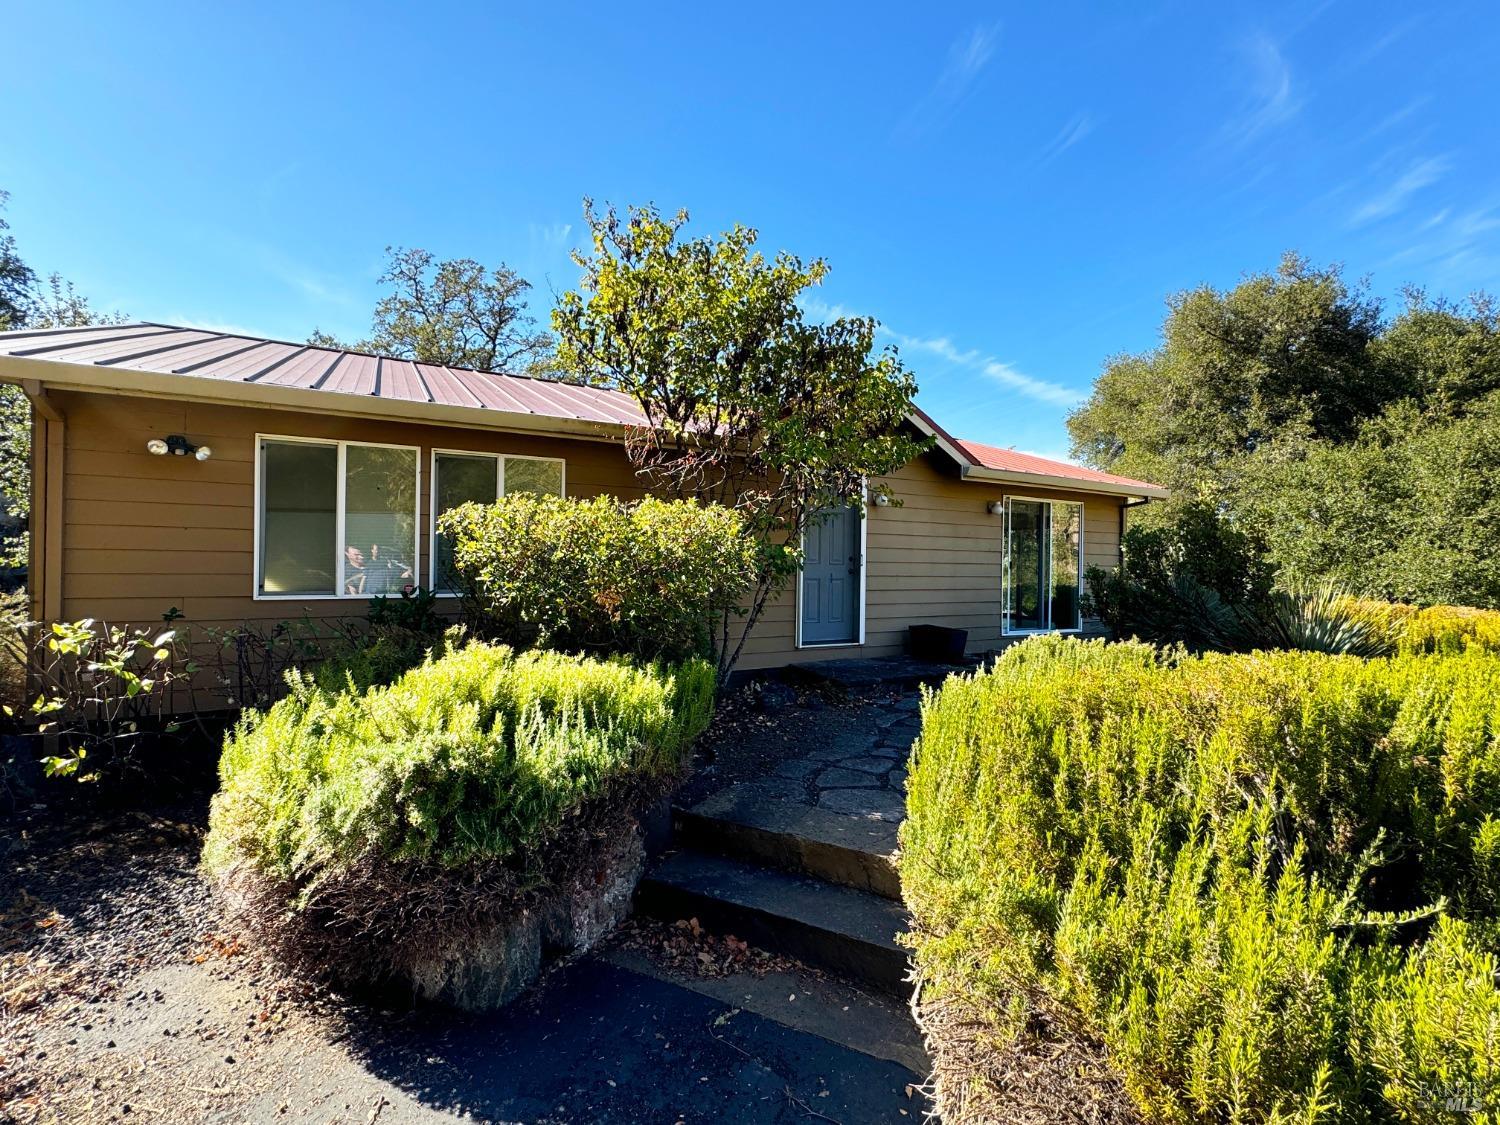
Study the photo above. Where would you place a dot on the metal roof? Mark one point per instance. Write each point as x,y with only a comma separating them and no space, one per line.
166,349
266,370
1011,461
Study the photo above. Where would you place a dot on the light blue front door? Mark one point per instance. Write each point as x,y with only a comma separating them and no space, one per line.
830,578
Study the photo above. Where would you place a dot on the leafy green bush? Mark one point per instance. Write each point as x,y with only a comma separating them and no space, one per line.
1184,579
1224,868
363,827
649,579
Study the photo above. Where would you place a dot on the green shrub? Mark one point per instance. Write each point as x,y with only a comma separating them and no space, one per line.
1184,579
648,579
477,772
1319,619
1436,628
1224,868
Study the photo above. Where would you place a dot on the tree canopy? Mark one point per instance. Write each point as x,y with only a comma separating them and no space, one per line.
453,312
1352,446
747,404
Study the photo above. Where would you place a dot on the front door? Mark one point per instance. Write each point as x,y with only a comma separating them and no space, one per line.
831,562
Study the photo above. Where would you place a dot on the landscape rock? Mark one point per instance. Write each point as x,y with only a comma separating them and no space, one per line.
491,972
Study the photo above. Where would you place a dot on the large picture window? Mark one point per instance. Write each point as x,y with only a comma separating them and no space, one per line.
1040,586
335,519
459,478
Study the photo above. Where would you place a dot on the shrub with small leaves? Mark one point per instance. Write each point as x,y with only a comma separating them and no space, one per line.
372,823
652,579
1265,882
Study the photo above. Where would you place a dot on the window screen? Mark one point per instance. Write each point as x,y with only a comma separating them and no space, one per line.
461,479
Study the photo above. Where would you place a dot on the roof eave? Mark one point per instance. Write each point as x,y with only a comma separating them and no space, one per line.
1138,490
101,377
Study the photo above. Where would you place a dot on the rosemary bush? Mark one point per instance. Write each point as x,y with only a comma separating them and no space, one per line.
1267,883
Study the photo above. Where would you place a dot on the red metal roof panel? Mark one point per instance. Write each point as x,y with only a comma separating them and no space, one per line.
445,386
353,374
1012,461
399,379
253,358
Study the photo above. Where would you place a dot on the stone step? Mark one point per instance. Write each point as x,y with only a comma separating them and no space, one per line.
833,927
745,821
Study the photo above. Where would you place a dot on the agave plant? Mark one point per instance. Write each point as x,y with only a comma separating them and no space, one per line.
1320,618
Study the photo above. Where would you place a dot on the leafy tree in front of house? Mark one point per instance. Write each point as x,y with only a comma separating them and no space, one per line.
454,312
746,403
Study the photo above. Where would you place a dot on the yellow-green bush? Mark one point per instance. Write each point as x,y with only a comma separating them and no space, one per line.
476,755
1435,628
650,579
1265,882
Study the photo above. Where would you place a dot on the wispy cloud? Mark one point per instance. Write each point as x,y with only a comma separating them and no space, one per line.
552,236
1397,116
1079,126
1003,373
1362,56
968,56
1270,94
212,324
1395,197
945,349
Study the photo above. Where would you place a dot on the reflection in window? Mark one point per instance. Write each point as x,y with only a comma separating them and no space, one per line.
380,519
298,491
532,474
461,479
298,519
1043,565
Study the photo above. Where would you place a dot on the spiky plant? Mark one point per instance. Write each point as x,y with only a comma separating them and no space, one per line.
1320,618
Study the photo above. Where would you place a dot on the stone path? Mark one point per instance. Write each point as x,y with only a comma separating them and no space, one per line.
802,860
859,773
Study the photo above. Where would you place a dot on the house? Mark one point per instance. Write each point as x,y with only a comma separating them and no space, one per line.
238,479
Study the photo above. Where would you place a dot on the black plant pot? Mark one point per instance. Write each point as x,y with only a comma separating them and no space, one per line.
937,643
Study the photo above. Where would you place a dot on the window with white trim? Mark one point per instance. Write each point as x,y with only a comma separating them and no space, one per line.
459,478
335,519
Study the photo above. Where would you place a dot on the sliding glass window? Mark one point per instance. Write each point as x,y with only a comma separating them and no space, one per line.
335,519
1043,565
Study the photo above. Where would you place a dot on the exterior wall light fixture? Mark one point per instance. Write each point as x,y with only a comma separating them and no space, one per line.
995,507
882,500
178,446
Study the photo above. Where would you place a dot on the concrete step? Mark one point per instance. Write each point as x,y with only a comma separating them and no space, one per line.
744,822
866,1020
833,927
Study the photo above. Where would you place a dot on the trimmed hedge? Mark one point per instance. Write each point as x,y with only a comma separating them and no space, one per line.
649,579
482,768
1268,884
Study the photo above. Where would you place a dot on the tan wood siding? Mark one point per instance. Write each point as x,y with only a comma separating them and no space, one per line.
142,534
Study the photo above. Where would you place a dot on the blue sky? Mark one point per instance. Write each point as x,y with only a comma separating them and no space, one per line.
1011,193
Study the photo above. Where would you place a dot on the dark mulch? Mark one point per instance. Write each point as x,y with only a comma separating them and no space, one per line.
1046,1075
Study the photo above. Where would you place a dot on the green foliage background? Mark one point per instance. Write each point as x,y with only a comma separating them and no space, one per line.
1348,445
